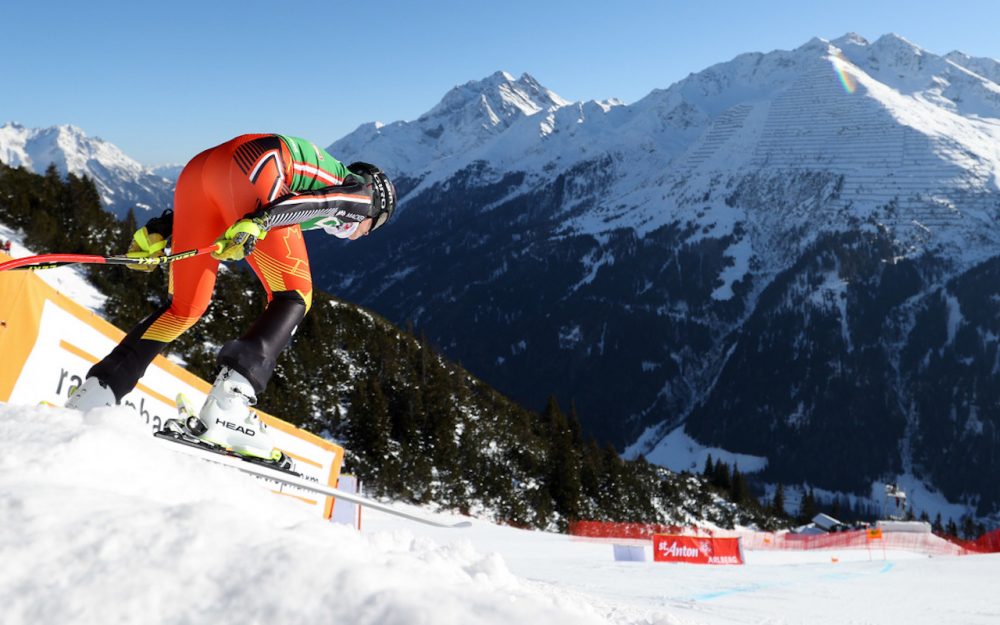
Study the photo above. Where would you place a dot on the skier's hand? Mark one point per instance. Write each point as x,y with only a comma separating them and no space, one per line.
238,241
146,244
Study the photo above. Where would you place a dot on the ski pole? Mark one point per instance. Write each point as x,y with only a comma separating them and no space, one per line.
51,261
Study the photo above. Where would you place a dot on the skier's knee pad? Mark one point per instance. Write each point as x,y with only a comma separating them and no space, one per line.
255,354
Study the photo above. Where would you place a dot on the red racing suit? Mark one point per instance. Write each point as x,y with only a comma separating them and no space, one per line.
292,185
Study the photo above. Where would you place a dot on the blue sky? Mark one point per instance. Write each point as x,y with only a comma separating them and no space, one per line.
164,80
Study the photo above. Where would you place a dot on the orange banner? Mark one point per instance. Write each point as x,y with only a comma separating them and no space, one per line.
48,342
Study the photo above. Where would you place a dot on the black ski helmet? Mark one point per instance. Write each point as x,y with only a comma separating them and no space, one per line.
383,192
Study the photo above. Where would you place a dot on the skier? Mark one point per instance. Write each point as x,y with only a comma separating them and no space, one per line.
259,191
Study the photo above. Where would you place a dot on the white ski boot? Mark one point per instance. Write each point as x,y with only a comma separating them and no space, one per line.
91,394
226,419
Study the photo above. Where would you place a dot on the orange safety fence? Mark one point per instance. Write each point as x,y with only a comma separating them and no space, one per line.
630,531
857,539
927,543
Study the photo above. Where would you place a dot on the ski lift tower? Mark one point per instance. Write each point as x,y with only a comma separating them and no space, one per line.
894,504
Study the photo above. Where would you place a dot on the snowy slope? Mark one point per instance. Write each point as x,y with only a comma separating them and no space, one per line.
67,280
121,181
103,524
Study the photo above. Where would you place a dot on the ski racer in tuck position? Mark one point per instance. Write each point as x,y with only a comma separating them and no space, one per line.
260,192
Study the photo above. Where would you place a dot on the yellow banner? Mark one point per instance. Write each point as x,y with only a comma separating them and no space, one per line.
48,342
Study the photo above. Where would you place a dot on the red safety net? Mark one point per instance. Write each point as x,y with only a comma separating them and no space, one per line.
765,541
987,543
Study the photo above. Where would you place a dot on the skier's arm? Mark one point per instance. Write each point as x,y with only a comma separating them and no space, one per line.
366,193
328,206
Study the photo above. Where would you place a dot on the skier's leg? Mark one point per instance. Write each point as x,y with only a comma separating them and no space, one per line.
258,174
192,280
282,265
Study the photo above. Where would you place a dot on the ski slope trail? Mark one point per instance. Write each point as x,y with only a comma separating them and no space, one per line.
102,524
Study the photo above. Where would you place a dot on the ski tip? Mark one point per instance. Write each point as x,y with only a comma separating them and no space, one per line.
462,524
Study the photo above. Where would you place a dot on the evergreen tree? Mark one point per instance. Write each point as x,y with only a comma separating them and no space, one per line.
368,435
564,465
778,502
809,508
738,492
442,420
951,529
968,527
722,478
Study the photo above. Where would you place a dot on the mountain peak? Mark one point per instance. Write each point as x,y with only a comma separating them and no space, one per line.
498,77
850,39
816,43
498,97
892,41
983,66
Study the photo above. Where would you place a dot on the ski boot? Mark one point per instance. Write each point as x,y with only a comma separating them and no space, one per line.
91,394
227,421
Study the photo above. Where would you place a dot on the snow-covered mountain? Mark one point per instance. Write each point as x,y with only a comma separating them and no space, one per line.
121,181
469,117
169,171
791,254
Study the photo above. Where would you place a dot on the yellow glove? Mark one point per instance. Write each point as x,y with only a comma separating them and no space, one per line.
146,244
238,241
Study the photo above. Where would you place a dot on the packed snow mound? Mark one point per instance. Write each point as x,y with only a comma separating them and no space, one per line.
104,524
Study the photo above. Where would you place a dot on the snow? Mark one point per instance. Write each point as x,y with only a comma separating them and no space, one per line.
679,452
104,524
67,280
921,497
740,253
955,317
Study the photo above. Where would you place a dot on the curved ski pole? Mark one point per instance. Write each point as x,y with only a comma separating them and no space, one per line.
51,261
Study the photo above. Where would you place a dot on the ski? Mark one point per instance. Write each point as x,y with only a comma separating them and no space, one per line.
262,469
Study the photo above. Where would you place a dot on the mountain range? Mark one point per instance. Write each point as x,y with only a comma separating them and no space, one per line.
790,255
122,182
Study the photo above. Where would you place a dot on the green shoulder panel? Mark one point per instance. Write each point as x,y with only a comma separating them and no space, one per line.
312,166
